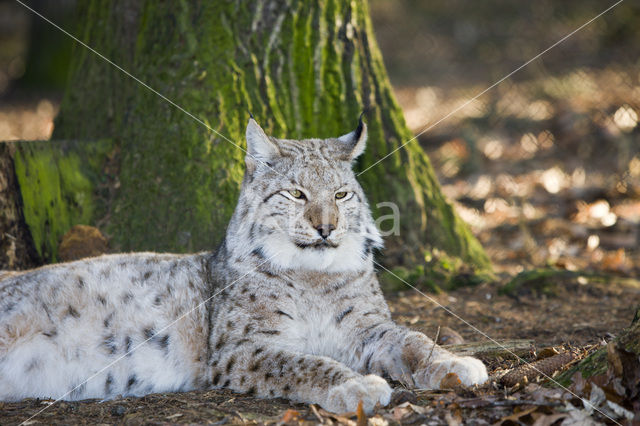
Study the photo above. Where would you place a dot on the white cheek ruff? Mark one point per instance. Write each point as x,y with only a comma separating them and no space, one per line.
348,256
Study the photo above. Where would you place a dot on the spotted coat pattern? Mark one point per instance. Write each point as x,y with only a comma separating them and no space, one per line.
288,305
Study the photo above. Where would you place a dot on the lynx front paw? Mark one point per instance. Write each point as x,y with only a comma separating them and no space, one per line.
471,371
371,389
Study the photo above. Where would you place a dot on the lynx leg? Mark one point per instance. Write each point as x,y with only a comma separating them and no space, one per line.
300,377
430,363
414,359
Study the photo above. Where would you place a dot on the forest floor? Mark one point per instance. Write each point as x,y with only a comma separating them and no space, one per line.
552,190
577,315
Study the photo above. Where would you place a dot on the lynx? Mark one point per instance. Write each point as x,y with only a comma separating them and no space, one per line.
288,305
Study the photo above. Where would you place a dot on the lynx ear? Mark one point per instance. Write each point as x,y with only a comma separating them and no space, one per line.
260,149
356,141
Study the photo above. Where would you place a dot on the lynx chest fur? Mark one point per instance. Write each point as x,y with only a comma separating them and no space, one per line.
288,305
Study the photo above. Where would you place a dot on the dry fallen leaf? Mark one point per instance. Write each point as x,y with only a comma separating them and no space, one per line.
450,381
453,418
361,416
515,417
547,352
548,420
409,413
343,418
617,261
626,366
289,416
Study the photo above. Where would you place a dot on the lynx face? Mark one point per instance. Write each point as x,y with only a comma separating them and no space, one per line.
307,209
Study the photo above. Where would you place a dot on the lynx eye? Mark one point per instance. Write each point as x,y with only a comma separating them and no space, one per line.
341,195
295,193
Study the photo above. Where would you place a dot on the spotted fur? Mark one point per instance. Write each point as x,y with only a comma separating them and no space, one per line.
288,306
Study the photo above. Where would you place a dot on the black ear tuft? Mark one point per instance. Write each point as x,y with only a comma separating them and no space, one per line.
355,141
358,131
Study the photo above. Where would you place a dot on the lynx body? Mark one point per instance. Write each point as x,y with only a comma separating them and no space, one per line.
289,304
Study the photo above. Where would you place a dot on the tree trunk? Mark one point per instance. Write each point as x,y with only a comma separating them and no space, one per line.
16,246
61,184
599,361
612,372
304,69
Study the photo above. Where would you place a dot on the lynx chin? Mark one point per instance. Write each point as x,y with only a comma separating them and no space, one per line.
298,312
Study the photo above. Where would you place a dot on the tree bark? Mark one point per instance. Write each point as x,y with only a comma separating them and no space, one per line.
598,362
16,245
304,69
61,184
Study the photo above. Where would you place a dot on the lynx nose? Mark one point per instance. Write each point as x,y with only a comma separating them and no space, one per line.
325,230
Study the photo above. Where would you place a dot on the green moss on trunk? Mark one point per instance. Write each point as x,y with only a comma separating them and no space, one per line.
58,186
303,69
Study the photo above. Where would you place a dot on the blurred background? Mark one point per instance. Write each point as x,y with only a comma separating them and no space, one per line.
545,167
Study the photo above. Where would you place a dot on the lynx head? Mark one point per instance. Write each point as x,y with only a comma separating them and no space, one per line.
300,204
